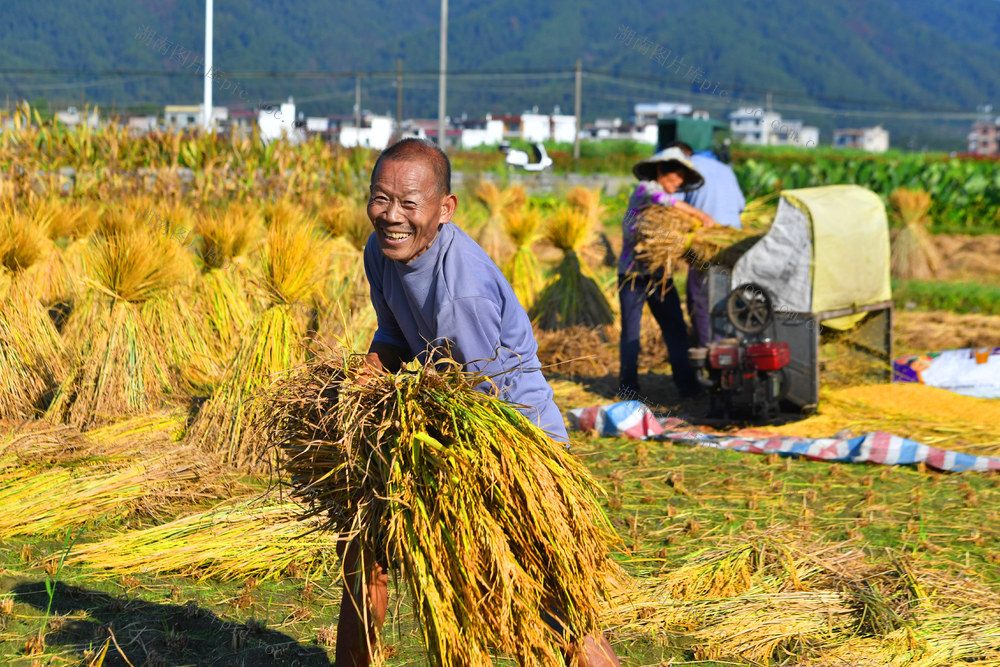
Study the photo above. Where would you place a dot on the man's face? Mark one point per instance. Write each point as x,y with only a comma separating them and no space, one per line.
406,208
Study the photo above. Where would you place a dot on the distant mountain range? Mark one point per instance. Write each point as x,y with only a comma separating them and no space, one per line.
911,65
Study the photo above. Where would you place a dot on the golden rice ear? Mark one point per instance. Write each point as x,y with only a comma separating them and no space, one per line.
134,267
910,206
588,202
22,240
568,229
289,267
224,235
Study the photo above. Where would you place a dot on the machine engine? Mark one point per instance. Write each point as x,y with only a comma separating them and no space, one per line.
744,375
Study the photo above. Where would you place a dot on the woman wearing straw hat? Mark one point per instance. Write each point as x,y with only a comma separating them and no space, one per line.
660,176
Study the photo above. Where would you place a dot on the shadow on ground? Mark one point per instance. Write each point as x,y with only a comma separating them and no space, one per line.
160,634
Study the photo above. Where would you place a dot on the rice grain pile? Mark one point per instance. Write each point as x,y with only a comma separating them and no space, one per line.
489,520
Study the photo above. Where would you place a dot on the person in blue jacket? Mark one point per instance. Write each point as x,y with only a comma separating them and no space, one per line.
721,198
436,292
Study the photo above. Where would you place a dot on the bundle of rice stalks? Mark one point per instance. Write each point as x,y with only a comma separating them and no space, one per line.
39,443
270,345
22,241
221,294
587,202
719,245
763,597
236,540
489,519
758,214
120,366
663,236
345,317
913,252
522,269
227,234
283,213
573,297
498,204
32,357
65,218
346,217
39,501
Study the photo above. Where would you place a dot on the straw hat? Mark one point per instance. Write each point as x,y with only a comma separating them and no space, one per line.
645,170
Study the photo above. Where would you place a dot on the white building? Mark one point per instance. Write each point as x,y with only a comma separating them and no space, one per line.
190,116
564,128
491,134
276,122
536,127
317,124
758,127
72,117
646,113
984,139
376,135
871,139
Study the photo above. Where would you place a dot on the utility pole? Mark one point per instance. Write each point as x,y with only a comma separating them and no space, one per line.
357,105
399,95
578,104
208,66
442,81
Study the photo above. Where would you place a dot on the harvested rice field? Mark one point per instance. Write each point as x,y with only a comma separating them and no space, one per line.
174,465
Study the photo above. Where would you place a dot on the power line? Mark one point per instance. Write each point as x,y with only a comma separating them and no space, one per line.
659,84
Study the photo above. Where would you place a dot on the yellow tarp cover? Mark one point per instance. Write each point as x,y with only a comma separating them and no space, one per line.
850,245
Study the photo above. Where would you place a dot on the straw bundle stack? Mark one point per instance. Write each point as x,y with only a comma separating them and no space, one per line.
121,366
522,269
288,275
32,358
222,293
347,218
498,204
573,297
489,520
913,253
35,500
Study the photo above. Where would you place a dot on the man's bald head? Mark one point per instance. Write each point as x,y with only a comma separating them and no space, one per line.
420,150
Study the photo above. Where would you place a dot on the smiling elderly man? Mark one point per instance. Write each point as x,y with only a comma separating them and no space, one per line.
436,291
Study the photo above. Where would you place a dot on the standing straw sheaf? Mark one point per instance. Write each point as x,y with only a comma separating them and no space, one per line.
573,297
498,204
288,275
914,254
32,357
121,363
522,269
490,521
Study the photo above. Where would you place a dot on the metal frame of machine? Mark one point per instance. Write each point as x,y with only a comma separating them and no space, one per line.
869,342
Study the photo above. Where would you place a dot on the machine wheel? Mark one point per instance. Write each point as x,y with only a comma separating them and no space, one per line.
749,308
